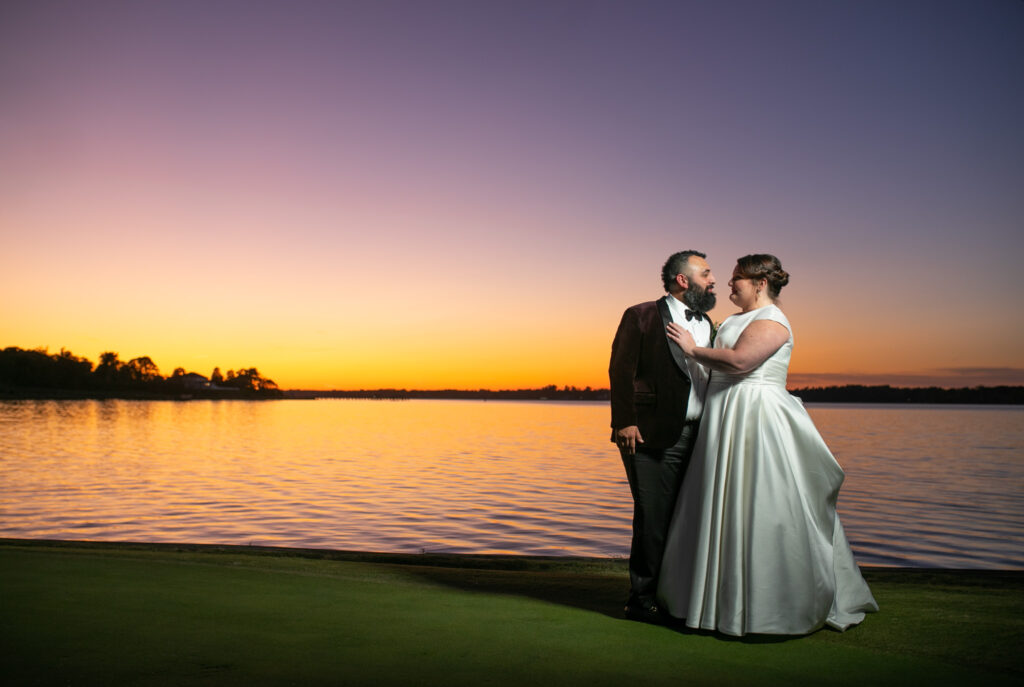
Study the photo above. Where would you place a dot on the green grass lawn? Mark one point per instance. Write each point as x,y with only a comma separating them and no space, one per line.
108,614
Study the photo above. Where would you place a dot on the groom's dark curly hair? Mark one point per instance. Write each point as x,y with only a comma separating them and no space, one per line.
676,264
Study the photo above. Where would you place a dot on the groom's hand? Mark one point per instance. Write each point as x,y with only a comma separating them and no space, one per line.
628,438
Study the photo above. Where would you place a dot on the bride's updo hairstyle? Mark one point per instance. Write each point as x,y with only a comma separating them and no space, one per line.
763,266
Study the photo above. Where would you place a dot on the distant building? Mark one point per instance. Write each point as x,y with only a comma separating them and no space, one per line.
195,381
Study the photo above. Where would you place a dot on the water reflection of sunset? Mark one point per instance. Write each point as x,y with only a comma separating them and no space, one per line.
466,476
446,476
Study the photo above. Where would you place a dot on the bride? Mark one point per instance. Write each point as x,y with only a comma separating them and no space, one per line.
755,545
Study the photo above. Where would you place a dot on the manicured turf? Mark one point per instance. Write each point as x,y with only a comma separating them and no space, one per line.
105,614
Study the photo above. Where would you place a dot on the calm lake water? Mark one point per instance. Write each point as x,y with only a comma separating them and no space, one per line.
925,485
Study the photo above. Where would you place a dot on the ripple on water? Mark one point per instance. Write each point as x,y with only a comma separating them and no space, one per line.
468,477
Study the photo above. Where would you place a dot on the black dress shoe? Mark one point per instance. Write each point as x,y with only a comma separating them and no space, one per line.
646,614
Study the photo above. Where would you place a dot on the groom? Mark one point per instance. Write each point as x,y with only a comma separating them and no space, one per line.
657,396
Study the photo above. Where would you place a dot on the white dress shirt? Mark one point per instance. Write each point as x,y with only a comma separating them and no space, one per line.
701,332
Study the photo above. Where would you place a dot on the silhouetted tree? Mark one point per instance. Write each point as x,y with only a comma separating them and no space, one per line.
72,371
39,369
140,371
249,380
106,372
24,372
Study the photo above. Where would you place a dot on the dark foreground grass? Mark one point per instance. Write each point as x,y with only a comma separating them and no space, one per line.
107,614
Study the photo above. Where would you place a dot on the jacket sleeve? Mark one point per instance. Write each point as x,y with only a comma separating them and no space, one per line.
622,369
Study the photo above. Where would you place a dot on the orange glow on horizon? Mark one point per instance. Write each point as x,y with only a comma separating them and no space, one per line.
361,198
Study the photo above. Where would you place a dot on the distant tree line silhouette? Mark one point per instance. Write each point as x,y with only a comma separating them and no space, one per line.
38,373
855,393
1009,395
546,393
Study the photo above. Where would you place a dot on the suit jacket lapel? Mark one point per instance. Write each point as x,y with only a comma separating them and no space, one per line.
673,347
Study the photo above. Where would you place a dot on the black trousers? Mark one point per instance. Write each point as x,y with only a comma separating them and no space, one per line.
654,479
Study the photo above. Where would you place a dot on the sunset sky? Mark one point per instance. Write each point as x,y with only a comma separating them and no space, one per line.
434,194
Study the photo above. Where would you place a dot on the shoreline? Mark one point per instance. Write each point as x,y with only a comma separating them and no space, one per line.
999,395
1013,577
443,560
188,398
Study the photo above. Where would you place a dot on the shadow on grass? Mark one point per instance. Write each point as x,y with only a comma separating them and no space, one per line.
599,593
600,585
604,594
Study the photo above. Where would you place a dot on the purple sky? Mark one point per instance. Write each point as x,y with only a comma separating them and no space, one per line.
469,193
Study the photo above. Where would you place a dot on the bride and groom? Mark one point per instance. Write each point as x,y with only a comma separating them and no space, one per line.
734,491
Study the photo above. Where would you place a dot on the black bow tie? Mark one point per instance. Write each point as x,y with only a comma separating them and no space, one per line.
693,314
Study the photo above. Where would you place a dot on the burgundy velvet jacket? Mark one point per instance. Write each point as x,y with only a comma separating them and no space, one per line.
650,386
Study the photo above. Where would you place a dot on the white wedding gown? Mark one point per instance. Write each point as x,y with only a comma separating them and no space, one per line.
755,545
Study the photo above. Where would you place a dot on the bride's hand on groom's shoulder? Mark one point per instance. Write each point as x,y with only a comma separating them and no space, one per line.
681,337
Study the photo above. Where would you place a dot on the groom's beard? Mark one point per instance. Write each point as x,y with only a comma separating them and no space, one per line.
698,299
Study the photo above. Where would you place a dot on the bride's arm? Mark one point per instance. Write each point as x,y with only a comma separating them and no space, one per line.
756,344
